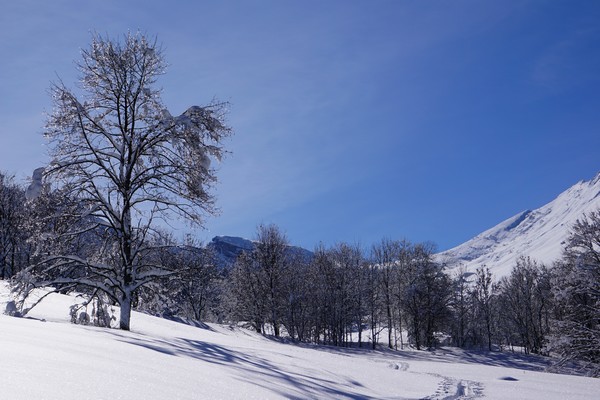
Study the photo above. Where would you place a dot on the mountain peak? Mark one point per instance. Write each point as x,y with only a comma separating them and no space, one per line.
228,248
540,234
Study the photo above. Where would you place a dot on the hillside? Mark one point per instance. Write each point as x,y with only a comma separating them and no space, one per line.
46,357
227,248
539,234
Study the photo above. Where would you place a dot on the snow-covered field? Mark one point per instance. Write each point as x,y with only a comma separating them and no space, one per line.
46,357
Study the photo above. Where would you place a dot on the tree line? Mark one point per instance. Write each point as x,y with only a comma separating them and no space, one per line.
398,294
394,293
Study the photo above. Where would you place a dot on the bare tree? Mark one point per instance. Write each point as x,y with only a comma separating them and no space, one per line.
340,273
129,164
192,291
425,296
385,256
298,296
524,305
576,290
352,259
461,306
271,255
196,285
373,302
483,306
248,302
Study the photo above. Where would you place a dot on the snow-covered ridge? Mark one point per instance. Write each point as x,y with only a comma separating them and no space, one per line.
540,234
228,248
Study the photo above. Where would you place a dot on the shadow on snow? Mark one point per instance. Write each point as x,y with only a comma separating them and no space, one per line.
252,368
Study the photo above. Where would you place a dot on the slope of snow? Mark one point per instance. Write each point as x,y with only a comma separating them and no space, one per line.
45,357
539,234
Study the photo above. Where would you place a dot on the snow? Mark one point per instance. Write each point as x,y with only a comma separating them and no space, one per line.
46,357
540,234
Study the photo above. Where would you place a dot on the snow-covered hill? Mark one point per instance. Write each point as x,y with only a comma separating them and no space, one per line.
539,234
46,357
227,248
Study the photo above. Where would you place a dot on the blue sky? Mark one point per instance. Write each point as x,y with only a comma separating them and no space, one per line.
354,120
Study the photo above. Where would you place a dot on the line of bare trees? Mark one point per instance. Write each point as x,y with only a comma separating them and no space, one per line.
394,293
341,295
345,295
551,310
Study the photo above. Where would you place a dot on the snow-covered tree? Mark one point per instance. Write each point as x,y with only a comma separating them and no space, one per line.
271,254
385,255
524,301
373,303
576,289
461,305
338,277
129,164
473,306
246,293
484,315
352,260
298,297
425,296
192,291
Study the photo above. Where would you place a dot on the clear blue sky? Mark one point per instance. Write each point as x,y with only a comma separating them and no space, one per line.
354,120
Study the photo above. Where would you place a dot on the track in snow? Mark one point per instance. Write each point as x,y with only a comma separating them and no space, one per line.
456,389
448,388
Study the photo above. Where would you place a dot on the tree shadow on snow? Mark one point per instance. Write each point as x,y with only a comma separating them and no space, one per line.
254,369
528,362
184,321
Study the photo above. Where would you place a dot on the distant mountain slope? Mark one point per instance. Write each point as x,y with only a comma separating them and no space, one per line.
539,234
228,248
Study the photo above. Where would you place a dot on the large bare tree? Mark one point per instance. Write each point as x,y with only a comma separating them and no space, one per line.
129,163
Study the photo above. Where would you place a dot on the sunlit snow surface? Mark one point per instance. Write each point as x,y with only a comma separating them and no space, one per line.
48,358
539,234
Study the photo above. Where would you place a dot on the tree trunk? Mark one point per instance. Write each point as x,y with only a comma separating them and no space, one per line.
389,323
400,329
417,333
125,317
359,333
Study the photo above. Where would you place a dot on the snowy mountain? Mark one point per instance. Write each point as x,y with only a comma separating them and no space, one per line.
540,234
228,248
